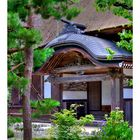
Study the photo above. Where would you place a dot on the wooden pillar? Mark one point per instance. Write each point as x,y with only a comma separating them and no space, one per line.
121,91
113,93
56,92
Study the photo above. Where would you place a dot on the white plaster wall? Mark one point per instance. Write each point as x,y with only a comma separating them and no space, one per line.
106,92
128,93
74,95
128,72
67,95
47,88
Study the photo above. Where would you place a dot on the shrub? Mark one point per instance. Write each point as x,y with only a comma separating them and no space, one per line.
116,128
12,120
40,139
44,106
10,133
67,126
91,138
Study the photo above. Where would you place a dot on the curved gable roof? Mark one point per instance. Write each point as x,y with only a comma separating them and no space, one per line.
95,46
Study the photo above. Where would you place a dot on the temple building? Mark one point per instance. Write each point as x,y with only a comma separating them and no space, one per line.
79,72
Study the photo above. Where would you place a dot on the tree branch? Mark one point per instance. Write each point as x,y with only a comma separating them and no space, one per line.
14,50
15,67
117,4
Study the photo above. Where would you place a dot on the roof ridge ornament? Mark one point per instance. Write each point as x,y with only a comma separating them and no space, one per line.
72,27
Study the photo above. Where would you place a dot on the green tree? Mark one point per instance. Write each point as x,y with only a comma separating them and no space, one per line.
124,9
23,45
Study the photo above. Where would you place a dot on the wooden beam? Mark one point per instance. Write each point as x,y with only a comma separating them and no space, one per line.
79,68
80,78
113,93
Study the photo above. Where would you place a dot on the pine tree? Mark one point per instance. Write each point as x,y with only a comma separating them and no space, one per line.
23,42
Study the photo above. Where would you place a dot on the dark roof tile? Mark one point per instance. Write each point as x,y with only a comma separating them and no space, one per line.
95,46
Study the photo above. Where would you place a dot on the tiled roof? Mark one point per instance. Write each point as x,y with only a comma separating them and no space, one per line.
95,46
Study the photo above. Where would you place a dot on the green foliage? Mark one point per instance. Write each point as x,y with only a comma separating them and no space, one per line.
67,126
14,24
17,81
56,8
13,21
41,55
29,37
86,120
118,7
91,138
126,40
72,12
20,36
20,7
82,138
122,12
44,106
13,120
116,128
130,82
10,133
41,139
111,53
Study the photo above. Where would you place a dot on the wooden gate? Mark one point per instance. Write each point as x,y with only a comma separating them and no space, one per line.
94,96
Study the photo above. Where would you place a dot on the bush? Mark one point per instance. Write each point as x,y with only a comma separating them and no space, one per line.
44,106
40,139
12,120
116,128
10,133
91,138
67,126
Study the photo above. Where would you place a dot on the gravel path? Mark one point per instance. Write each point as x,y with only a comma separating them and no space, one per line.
39,130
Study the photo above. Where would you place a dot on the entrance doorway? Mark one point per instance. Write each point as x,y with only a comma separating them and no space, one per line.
94,96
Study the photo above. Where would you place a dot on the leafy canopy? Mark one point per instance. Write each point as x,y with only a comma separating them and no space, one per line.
22,34
118,7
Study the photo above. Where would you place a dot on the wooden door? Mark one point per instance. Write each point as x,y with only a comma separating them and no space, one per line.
94,96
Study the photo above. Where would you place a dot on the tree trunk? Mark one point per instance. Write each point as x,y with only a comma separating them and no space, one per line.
27,123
